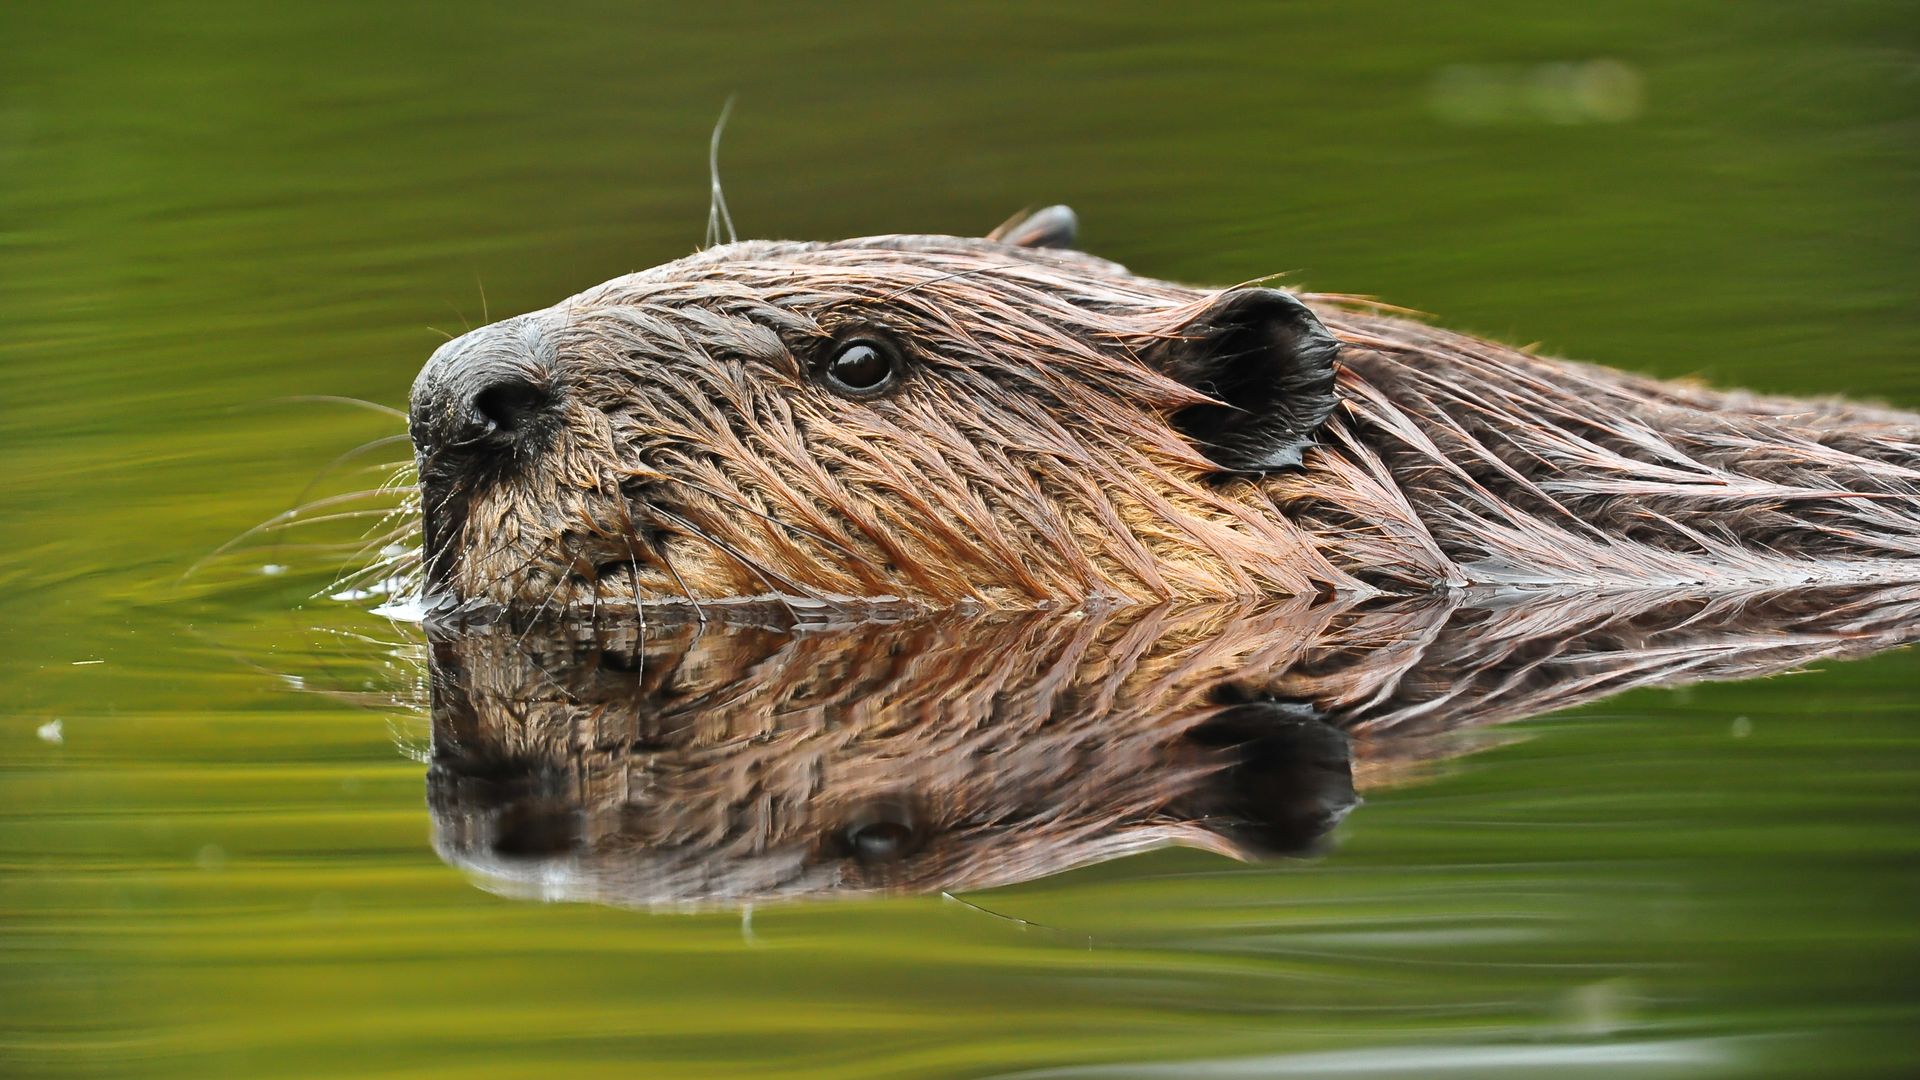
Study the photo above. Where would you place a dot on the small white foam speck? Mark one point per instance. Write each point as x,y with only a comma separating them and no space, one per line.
51,733
403,609
273,569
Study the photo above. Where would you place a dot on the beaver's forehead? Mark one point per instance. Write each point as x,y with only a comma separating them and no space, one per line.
877,268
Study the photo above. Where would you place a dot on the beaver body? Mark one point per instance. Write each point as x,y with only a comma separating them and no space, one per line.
952,422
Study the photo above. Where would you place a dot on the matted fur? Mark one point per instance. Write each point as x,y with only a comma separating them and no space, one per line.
1028,457
712,764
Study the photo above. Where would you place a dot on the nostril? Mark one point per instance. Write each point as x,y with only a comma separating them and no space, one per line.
536,830
507,406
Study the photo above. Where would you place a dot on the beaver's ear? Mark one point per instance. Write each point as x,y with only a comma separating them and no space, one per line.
1268,362
1289,784
1053,227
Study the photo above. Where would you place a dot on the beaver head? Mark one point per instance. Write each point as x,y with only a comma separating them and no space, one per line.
934,419
998,422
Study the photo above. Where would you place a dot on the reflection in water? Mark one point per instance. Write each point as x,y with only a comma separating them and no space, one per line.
724,763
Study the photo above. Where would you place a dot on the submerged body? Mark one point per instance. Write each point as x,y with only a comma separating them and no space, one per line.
949,422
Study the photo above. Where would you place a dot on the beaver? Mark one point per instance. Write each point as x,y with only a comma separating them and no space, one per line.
732,762
1005,422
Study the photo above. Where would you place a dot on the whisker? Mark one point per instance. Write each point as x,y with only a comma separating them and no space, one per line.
343,515
593,613
384,440
338,399
766,577
539,611
371,573
699,612
279,520
401,531
507,573
640,616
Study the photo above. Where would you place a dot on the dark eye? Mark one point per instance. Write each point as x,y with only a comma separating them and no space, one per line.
862,366
882,841
880,833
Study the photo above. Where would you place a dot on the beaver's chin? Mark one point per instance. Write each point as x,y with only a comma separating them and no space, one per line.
517,547
573,580
580,582
506,568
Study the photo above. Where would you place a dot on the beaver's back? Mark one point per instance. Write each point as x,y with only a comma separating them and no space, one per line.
1486,464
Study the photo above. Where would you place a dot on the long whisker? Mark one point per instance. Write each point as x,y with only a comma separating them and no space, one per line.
640,616
402,529
507,573
699,612
406,523
534,622
384,440
275,522
629,528
338,399
593,613
341,515
766,576
384,490
392,567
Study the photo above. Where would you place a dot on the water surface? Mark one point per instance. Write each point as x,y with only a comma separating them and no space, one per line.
217,852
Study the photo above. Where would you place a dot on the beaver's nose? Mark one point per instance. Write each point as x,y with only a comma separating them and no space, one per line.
501,409
535,830
476,400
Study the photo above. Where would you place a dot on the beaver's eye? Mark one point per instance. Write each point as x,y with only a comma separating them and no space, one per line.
861,366
881,841
880,832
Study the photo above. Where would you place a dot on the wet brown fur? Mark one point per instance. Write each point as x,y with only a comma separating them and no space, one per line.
1029,459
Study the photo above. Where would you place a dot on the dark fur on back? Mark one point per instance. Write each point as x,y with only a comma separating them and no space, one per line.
1517,469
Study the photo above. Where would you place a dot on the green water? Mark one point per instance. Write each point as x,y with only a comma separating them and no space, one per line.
208,870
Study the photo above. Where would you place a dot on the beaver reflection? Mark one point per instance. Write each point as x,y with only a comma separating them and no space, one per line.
728,763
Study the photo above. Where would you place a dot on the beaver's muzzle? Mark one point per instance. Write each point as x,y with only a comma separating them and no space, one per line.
483,405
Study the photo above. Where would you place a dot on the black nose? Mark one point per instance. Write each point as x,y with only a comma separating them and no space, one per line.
534,830
500,410
477,401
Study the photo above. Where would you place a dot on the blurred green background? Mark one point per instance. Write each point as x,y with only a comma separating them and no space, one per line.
206,208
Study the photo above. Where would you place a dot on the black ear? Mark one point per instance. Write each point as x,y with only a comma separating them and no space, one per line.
1268,361
1289,784
1053,227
